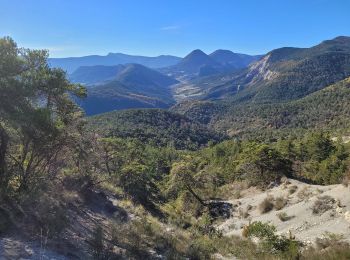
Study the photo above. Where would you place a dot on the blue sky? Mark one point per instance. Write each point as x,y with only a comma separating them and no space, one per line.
153,27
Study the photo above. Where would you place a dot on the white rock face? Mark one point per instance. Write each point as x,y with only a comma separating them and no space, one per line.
260,70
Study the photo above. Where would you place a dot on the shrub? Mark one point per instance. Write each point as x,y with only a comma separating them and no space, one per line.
261,165
330,240
280,202
331,246
266,205
323,204
340,252
260,230
201,248
284,217
305,193
272,243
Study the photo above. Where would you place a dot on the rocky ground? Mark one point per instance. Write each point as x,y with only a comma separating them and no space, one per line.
85,212
298,209
295,208
16,248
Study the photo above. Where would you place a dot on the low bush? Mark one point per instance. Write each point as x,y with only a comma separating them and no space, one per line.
323,204
280,202
283,216
330,246
272,243
330,240
266,205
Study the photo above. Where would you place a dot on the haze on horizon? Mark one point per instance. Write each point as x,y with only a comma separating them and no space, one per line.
155,27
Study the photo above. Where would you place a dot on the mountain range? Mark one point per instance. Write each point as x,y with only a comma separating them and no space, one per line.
206,82
199,64
130,86
70,64
288,73
133,85
289,89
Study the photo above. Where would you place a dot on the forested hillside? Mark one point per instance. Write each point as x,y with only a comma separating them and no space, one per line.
154,184
131,86
326,109
156,127
284,74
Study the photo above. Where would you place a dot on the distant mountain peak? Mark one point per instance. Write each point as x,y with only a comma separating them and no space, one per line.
223,56
342,39
198,63
235,60
197,52
221,51
340,43
197,56
196,59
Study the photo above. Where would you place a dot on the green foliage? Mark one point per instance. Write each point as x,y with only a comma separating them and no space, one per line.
201,248
155,127
326,109
261,164
173,166
37,115
270,242
261,230
123,87
316,158
283,74
137,183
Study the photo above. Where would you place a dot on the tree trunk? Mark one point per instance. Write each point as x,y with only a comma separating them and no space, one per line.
196,196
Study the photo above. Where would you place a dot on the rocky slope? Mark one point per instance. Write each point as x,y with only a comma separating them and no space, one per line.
310,211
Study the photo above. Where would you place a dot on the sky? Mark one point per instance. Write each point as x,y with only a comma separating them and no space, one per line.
175,27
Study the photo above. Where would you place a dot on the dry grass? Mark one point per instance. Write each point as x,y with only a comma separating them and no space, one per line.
331,246
232,191
280,202
329,239
323,204
305,193
292,189
270,203
284,217
346,180
266,205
